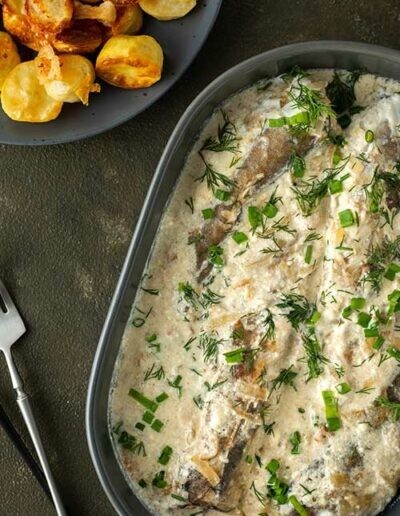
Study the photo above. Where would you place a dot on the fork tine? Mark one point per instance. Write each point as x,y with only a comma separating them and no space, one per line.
8,302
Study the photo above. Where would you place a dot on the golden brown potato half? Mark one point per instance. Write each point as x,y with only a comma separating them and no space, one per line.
130,61
129,21
66,78
19,26
167,9
106,12
24,99
9,57
83,37
50,15
17,6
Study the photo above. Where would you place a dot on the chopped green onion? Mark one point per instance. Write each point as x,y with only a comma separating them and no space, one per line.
142,483
222,195
335,159
394,302
140,398
347,311
335,186
159,480
371,332
270,210
331,411
347,218
300,509
239,237
316,316
162,397
343,388
148,417
369,136
208,213
394,353
165,455
254,216
308,255
235,357
391,271
140,426
363,319
215,255
157,425
178,497
298,118
378,342
248,459
295,440
273,466
356,303
277,122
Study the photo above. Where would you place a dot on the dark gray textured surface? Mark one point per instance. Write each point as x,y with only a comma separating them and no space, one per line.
67,215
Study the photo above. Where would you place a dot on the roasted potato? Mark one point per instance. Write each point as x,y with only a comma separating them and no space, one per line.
83,37
167,9
106,12
129,21
50,15
9,57
18,24
24,99
66,78
130,61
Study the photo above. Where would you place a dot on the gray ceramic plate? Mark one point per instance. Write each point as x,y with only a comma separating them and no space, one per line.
180,39
316,54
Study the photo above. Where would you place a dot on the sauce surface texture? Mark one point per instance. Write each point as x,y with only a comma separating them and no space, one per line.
259,370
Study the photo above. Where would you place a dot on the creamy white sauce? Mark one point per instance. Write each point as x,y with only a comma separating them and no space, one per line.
249,283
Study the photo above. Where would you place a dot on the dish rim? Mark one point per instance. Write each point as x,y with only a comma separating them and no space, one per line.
288,51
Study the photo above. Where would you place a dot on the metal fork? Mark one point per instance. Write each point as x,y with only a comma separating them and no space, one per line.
12,327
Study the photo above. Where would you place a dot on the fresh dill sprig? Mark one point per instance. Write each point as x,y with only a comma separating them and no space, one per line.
198,301
365,390
212,386
310,101
213,178
384,183
176,384
226,140
198,401
267,321
153,373
271,233
309,193
312,236
314,357
131,443
391,405
189,202
297,308
340,92
296,71
285,377
209,345
378,259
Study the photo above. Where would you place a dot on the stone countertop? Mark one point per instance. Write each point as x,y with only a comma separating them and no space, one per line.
67,216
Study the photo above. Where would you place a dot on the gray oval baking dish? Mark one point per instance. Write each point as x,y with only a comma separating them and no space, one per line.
315,54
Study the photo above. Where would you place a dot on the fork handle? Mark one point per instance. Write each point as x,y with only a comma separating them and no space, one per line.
26,410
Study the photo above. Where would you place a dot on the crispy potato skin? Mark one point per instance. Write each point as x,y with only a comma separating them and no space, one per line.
27,33
24,99
83,37
167,9
50,15
9,57
130,62
129,21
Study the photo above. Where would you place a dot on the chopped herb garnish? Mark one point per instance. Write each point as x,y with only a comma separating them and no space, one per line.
285,377
140,426
314,357
343,388
226,140
198,401
152,342
178,497
159,480
308,254
208,213
300,509
222,195
365,390
142,483
235,356
394,353
347,218
148,417
255,217
369,136
162,397
215,253
157,425
188,343
213,178
131,443
189,203
297,165
335,186
298,309
140,398
151,291
331,411
165,455
378,260
391,405
267,321
176,384
139,320
239,237
340,91
153,373
211,387
295,440
312,236
276,488
209,344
